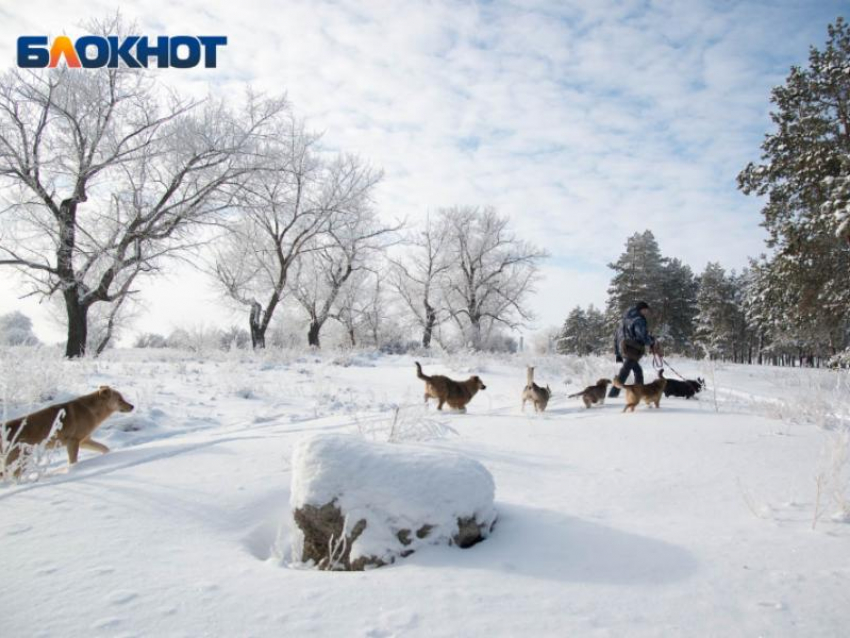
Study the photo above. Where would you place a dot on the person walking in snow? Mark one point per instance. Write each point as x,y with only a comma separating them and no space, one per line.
630,342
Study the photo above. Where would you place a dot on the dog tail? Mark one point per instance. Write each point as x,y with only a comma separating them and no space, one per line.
419,372
617,383
529,376
577,394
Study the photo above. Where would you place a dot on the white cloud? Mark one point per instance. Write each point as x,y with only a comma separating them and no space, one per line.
585,121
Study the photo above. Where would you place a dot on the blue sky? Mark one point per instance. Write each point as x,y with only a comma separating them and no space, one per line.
584,121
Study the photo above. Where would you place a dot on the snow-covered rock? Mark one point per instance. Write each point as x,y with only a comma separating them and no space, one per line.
360,503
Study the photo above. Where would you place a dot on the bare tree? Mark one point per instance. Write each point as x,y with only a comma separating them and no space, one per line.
105,173
105,321
352,304
362,308
421,278
344,250
492,274
284,208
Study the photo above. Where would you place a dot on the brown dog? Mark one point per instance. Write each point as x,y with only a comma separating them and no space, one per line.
538,395
78,418
456,393
593,393
649,393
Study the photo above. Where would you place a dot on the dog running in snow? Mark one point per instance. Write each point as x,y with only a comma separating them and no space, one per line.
532,392
686,388
649,393
456,393
78,420
593,393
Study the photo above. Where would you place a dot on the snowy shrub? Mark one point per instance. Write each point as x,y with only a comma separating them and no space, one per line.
198,339
150,340
406,423
400,346
30,376
360,504
833,477
821,398
23,462
16,330
234,338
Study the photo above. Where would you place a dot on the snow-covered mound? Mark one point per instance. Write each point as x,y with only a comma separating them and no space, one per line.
360,502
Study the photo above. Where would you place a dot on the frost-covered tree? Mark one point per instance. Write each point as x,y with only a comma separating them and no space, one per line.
584,332
492,275
642,273
16,330
420,276
802,171
297,196
678,308
324,270
716,318
105,173
638,274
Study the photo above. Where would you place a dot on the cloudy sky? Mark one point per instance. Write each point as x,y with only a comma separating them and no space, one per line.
585,121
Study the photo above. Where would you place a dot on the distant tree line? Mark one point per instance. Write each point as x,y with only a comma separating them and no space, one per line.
791,305
726,315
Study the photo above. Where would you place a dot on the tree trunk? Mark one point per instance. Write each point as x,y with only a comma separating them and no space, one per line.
313,334
110,328
78,324
430,320
258,330
475,326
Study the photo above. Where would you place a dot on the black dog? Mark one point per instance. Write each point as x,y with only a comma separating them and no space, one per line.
685,389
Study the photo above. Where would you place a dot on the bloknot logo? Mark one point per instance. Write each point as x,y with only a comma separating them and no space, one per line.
96,51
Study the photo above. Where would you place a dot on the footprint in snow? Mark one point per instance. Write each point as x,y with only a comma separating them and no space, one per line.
121,597
106,623
19,528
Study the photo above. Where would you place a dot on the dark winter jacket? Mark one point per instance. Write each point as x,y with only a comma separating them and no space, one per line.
634,328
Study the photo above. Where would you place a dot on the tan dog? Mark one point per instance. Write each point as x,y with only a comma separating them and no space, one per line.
456,393
593,393
649,393
79,418
534,393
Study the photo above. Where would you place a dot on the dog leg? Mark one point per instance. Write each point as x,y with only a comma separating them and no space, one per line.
94,446
523,404
440,404
73,446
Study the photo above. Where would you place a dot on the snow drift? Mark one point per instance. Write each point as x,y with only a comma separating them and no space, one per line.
360,503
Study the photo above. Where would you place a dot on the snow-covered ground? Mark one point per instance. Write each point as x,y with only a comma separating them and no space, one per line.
695,520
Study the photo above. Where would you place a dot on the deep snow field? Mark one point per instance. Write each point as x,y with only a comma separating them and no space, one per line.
695,520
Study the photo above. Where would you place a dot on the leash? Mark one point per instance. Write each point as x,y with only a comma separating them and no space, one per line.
659,363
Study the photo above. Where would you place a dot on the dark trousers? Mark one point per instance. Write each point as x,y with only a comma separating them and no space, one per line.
629,366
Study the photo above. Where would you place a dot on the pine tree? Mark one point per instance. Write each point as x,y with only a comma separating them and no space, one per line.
803,170
715,330
598,331
585,332
678,307
637,276
571,339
